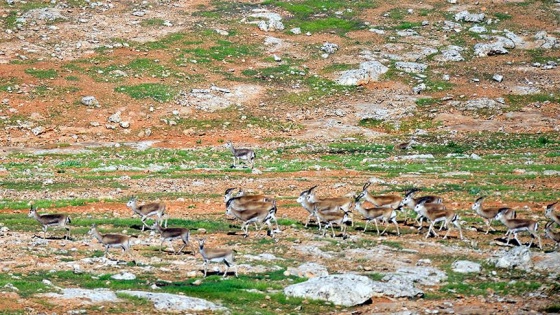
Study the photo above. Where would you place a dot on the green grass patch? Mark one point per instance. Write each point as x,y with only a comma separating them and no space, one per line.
503,16
42,74
152,22
157,91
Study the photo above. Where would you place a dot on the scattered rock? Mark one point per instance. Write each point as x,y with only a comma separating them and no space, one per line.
422,275
369,71
329,48
175,303
115,118
451,53
124,276
38,130
498,77
465,266
309,270
86,296
90,101
411,67
266,21
517,257
469,17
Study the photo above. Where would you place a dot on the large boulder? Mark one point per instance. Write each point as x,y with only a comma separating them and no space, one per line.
517,257
421,275
343,289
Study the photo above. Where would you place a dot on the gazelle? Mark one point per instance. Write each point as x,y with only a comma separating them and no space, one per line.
436,212
489,214
411,203
173,233
243,198
387,201
54,220
549,213
377,213
111,240
257,212
519,225
217,255
241,154
308,206
344,204
147,210
555,236
339,218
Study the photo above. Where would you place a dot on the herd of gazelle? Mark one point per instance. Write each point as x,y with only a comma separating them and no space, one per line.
326,212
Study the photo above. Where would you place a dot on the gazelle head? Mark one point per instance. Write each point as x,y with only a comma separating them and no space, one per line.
228,194
550,208
408,197
92,229
477,203
201,243
303,196
419,205
32,211
131,202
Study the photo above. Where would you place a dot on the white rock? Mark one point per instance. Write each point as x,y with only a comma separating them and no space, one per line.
343,289
309,270
124,276
175,303
465,266
90,101
368,71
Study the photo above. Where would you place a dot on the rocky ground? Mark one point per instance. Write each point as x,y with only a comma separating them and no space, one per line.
446,68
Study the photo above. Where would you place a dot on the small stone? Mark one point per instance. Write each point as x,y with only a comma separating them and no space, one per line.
90,101
498,77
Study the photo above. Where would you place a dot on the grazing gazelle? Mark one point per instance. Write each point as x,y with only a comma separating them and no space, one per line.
411,202
377,213
257,212
518,225
555,236
549,213
54,220
489,214
173,233
436,212
386,201
147,210
217,255
111,240
241,154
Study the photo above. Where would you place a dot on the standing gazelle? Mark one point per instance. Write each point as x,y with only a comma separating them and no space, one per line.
241,154
519,225
386,201
489,214
54,220
257,212
377,213
217,255
111,240
411,202
554,236
549,213
173,233
147,210
436,212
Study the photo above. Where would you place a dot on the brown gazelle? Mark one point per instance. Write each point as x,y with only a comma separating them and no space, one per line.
52,220
387,201
241,154
257,212
147,210
111,240
519,225
217,255
340,218
344,204
308,206
377,213
549,213
242,197
436,212
173,233
554,236
489,214
410,201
